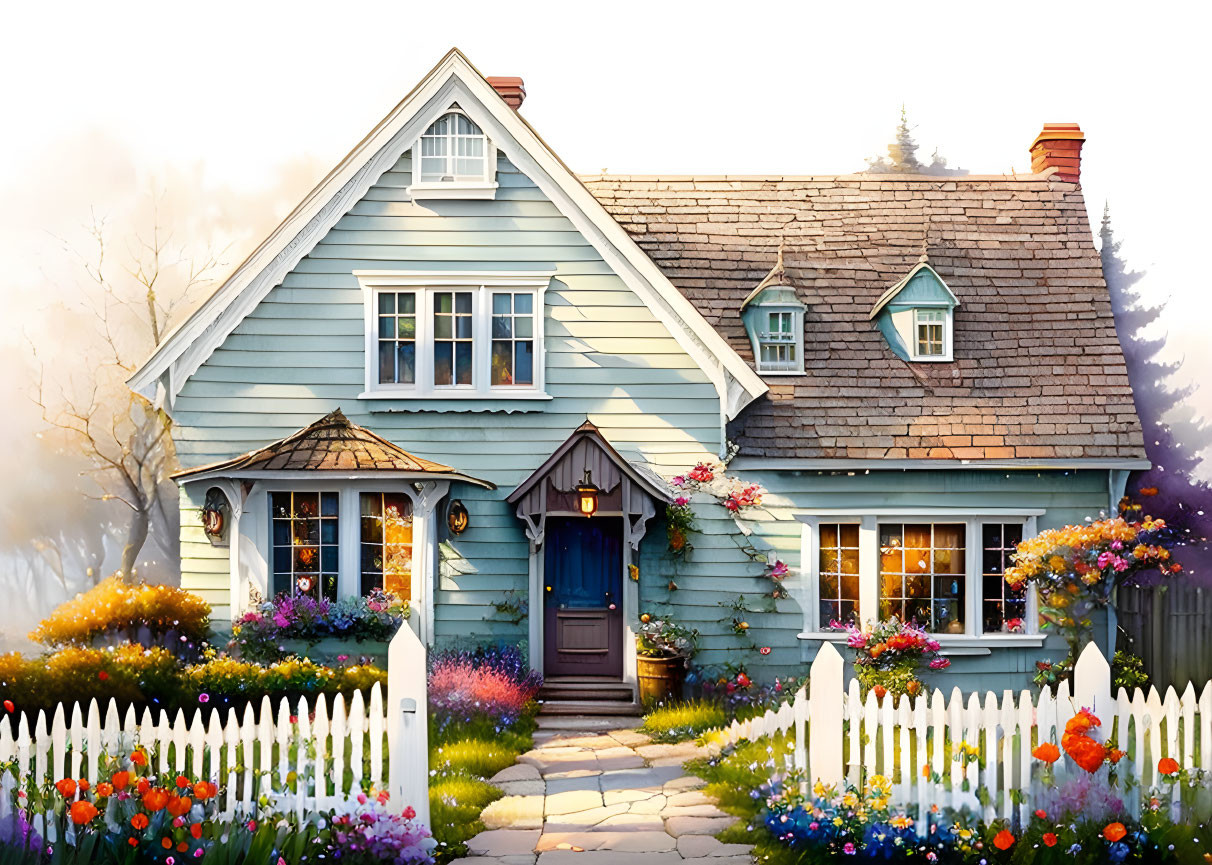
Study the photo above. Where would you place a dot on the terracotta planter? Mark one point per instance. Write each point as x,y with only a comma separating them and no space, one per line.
660,679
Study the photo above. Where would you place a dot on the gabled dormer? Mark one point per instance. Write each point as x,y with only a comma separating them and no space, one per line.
917,315
774,319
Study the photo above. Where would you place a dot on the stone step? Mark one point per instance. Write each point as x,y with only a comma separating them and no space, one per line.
614,692
588,707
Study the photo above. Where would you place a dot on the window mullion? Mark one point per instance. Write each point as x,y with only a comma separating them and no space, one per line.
869,559
481,332
425,341
974,577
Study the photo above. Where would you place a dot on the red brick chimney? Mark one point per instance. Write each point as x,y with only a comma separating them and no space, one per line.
511,88
1059,146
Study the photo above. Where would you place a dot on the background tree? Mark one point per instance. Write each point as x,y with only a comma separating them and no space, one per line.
902,156
124,440
1174,434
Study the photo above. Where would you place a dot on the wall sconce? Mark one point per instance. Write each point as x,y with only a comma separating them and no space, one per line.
587,495
457,518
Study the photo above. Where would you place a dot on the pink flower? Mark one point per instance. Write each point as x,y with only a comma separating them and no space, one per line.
678,481
848,849
732,504
362,799
681,501
940,664
779,569
409,813
280,620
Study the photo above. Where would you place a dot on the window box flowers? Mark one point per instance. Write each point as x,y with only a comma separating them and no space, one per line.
319,629
890,655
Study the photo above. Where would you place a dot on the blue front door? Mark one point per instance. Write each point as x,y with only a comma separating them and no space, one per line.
583,597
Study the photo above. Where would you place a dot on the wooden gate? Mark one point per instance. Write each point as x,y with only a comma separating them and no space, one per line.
1170,628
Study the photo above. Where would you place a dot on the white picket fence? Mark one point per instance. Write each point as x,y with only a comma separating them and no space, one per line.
839,737
309,756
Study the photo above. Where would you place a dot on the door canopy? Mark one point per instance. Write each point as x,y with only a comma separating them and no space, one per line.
551,489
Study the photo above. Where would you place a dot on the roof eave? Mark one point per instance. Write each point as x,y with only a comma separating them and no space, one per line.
205,474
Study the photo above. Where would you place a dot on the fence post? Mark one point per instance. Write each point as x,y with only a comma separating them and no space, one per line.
1092,685
408,724
825,698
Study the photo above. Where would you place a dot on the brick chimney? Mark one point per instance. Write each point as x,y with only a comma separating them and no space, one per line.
1059,146
511,88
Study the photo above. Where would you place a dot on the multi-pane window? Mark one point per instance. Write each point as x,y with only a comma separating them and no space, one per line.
386,543
839,573
778,343
453,149
1004,608
512,338
922,575
453,350
397,337
929,325
305,546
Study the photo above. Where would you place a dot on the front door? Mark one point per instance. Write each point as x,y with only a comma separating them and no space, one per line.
583,597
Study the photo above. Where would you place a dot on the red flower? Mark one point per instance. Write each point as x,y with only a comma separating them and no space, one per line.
1167,766
1049,839
409,813
204,790
139,821
196,830
1041,813
103,675
66,787
139,758
179,806
83,784
1003,840
1114,831
83,811
166,843
155,800
134,842
182,781
142,786
120,780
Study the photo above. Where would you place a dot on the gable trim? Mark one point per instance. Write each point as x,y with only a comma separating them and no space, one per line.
891,293
189,345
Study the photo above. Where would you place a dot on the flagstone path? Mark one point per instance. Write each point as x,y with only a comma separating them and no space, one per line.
593,792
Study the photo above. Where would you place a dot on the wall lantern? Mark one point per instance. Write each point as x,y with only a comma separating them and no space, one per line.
457,518
587,495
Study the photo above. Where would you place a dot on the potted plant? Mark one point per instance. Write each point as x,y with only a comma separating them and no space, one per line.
890,654
662,649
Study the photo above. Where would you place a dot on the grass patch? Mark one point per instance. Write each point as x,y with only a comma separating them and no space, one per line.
731,777
455,803
679,722
474,757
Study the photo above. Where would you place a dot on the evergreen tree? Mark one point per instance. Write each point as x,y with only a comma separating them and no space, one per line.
1174,436
902,155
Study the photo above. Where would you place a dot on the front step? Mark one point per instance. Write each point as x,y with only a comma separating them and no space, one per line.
588,708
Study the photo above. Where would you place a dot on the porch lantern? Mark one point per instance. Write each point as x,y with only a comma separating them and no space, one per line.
587,495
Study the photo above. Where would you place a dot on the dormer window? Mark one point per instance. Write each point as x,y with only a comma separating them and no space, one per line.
917,316
453,158
774,319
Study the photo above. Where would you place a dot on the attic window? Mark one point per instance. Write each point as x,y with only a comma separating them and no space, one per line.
780,342
929,328
453,158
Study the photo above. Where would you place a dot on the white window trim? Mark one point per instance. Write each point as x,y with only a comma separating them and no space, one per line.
948,352
426,283
797,319
868,522
481,188
255,526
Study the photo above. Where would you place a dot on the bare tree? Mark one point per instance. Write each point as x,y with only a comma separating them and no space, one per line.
124,438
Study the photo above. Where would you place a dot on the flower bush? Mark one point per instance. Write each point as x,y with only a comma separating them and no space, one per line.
661,637
371,836
496,684
113,606
890,654
1076,569
223,682
258,634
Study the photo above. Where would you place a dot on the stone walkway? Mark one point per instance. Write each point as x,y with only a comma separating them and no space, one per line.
594,791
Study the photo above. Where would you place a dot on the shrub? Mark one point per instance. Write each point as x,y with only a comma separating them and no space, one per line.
129,674
680,721
112,606
455,803
256,635
484,683
223,682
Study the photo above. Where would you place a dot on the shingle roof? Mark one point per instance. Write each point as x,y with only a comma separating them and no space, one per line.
1038,374
331,444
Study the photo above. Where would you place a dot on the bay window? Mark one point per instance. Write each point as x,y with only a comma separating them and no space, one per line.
304,534
440,335
942,570
386,543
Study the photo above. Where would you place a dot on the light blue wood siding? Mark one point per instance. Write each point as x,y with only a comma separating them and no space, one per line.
300,355
719,570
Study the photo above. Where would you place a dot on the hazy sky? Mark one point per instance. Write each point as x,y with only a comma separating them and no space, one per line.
100,98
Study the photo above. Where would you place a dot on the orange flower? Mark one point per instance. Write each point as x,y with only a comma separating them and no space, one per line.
155,800
139,758
204,790
1047,752
1003,840
142,785
83,811
83,784
183,847
1049,839
166,843
139,821
120,780
1082,722
1114,831
104,789
1167,766
1115,755
66,787
1085,752
196,830
179,806
925,770
182,781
